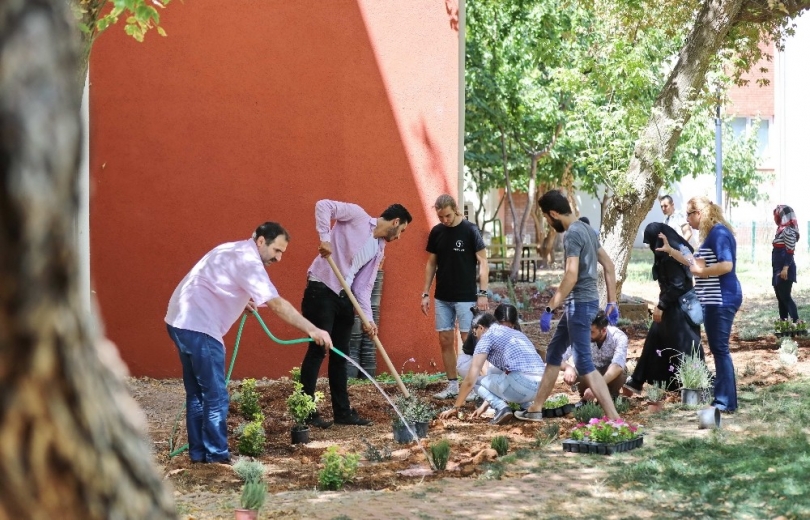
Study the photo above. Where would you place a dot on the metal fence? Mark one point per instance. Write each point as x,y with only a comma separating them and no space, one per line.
754,241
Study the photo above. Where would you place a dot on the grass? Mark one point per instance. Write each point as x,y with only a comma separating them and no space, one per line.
760,472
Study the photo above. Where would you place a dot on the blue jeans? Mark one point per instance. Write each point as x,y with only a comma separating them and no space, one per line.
203,360
574,329
499,389
448,312
718,320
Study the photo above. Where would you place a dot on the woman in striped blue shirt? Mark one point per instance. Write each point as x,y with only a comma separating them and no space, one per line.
784,267
718,289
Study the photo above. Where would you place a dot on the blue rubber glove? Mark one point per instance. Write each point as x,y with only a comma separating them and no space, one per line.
612,312
545,321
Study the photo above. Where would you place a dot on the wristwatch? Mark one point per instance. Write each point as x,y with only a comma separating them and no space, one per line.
548,309
482,293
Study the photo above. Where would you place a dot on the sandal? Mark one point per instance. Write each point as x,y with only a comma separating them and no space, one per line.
529,416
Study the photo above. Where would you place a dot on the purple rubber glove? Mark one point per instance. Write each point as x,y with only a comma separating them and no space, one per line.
545,320
612,312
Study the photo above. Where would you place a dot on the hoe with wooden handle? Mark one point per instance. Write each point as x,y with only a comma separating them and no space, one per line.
365,321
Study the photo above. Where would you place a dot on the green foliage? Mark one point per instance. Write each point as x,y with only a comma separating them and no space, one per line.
295,374
588,411
254,493
248,399
374,454
440,453
301,405
500,443
656,391
622,405
338,469
415,409
605,431
547,434
249,470
692,372
251,441
556,401
139,16
420,380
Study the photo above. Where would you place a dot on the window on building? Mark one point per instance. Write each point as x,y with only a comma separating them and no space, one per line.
740,125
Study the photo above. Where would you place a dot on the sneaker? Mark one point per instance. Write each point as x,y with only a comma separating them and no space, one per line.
319,422
502,416
472,396
447,393
352,419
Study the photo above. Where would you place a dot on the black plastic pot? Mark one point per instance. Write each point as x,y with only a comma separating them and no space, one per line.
573,446
422,429
299,436
559,411
401,433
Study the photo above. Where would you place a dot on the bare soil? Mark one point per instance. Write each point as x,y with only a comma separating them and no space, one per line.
402,487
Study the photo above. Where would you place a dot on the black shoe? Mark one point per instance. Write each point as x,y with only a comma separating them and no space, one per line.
319,422
502,416
352,419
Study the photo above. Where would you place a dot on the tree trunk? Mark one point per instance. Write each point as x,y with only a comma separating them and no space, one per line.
72,443
659,138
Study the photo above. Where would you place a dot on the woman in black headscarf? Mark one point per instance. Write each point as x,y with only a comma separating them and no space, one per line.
670,334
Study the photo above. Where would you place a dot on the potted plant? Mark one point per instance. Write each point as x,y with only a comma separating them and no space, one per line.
416,412
254,493
403,432
557,405
694,378
301,405
655,394
801,328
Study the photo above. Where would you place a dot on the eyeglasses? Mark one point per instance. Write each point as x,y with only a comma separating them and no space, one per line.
689,213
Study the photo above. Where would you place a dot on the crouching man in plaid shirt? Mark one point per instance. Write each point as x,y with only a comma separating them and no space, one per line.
609,353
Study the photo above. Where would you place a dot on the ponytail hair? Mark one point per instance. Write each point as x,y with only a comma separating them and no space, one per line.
507,315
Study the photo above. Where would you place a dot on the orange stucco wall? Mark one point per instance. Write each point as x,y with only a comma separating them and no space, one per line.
251,111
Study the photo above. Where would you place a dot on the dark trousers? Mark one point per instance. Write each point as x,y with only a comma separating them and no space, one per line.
333,313
718,321
787,307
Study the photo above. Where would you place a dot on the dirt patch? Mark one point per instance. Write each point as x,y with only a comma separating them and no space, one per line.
211,491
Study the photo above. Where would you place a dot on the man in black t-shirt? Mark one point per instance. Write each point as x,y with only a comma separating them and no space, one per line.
454,246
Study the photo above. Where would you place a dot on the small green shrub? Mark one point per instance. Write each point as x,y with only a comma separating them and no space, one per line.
440,453
295,374
692,372
656,391
254,492
253,437
338,469
248,470
547,434
500,444
556,401
622,404
249,399
374,454
420,380
588,411
301,405
415,409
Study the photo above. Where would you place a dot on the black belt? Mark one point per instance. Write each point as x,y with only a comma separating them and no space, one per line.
316,283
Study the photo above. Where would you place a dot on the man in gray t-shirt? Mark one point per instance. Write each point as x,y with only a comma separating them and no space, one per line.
579,292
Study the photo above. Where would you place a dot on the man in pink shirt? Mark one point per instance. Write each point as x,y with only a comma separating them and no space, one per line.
206,303
356,243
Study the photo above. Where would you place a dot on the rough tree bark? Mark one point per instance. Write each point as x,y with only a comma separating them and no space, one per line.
670,113
660,137
72,442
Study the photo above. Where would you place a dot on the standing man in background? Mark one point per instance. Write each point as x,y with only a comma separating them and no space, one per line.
454,246
675,219
356,242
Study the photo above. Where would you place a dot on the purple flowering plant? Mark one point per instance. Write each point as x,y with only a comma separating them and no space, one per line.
605,430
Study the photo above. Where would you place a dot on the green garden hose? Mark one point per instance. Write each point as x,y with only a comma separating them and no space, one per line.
181,449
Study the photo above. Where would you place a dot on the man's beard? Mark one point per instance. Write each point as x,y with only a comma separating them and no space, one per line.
556,224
